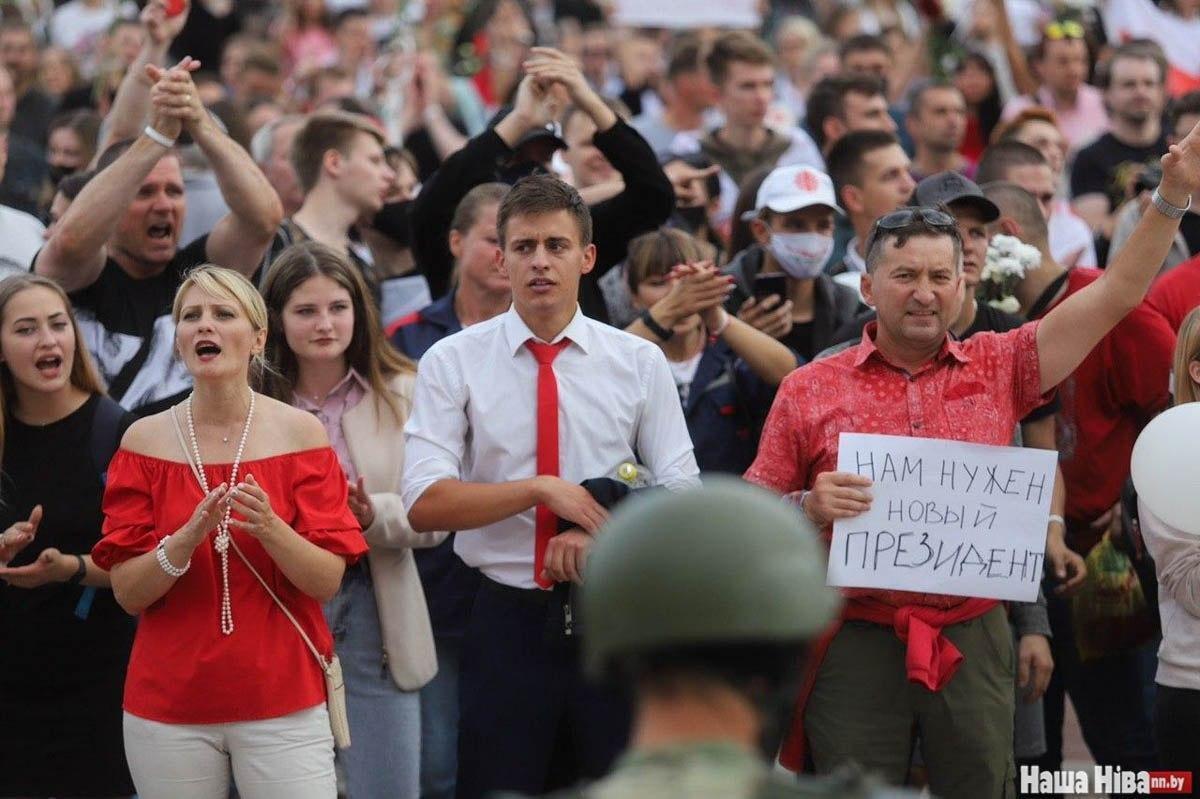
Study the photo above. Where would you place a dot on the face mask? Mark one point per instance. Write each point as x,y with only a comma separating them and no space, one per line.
57,172
693,218
801,255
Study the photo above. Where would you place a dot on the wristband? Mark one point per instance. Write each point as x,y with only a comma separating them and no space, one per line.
1056,519
158,138
658,330
719,331
80,572
171,569
1167,209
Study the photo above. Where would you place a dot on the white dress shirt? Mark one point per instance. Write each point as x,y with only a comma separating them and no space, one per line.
474,419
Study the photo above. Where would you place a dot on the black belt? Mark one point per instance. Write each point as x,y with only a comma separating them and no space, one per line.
531,596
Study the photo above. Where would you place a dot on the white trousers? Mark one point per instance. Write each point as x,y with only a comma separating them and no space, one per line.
290,757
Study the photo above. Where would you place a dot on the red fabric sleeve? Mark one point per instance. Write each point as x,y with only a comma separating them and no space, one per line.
780,464
128,513
323,514
1027,371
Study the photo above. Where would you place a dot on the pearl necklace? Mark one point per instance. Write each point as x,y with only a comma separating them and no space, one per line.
221,542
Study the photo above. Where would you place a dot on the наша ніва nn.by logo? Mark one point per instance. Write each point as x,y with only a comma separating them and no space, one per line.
1104,780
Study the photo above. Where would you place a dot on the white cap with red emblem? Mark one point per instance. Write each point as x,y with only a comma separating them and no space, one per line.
790,188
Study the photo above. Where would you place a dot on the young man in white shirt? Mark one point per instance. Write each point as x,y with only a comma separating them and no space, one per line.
498,443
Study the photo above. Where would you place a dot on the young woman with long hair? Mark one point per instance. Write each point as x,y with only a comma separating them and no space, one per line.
329,358
66,641
203,501
1177,564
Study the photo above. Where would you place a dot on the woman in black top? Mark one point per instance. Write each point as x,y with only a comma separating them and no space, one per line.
65,640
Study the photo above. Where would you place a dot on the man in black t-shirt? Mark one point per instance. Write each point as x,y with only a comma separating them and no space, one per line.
116,250
1106,171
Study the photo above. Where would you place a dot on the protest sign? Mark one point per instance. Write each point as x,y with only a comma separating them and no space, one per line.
946,517
687,13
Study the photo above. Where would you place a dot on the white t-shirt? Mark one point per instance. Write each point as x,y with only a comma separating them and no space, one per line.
684,373
1071,241
20,239
79,28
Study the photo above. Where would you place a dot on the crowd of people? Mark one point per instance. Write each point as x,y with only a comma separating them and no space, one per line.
331,331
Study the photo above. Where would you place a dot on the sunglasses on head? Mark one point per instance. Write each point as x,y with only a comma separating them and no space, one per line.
1063,29
906,216
901,219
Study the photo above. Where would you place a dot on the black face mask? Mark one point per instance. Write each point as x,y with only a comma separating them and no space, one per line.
510,173
393,221
57,172
692,218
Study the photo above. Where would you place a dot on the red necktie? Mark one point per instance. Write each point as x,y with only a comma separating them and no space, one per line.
546,523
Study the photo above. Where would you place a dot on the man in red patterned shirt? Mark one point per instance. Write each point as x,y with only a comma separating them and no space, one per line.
909,377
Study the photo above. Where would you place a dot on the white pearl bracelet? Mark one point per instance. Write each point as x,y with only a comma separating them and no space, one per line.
171,569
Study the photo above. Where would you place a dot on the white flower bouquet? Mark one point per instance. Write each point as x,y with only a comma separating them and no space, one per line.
1008,261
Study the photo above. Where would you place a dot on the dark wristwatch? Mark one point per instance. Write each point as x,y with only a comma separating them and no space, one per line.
80,572
664,334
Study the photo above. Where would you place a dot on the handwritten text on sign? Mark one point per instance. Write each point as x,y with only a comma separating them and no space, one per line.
946,517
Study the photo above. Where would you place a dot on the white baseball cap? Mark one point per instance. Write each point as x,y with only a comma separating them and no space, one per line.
790,188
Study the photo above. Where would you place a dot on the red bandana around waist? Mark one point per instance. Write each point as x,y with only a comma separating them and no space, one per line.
931,659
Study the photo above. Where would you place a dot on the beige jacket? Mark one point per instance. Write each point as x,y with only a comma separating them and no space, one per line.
376,444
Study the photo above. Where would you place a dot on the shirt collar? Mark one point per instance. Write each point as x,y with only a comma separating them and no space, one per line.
853,261
516,332
950,348
340,391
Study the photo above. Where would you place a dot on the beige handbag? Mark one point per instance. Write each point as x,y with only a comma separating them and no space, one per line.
335,685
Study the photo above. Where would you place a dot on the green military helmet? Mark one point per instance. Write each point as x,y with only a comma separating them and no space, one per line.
723,563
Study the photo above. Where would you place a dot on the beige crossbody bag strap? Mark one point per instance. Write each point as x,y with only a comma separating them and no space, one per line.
331,668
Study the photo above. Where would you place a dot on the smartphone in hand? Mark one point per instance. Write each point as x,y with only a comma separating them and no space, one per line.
766,285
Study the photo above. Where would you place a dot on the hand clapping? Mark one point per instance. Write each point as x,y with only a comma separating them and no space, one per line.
250,501
19,536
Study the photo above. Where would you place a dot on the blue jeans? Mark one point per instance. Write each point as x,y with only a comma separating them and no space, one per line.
385,722
439,724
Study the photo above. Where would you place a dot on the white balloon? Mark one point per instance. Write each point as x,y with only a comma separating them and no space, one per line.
1165,467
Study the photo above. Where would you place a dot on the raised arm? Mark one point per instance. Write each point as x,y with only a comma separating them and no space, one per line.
1070,331
241,237
132,103
76,253
474,164
648,197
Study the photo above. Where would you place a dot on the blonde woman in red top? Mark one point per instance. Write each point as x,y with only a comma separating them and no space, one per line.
220,682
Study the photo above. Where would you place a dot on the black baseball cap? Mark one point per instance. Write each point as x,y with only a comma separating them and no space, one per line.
552,132
951,188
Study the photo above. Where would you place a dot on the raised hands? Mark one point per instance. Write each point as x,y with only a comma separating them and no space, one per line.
19,536
696,288
1181,169
547,65
161,27
175,102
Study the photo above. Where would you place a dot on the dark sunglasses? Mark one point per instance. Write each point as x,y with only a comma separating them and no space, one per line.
1063,29
906,216
899,220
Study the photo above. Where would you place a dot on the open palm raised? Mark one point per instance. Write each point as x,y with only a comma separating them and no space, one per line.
1181,169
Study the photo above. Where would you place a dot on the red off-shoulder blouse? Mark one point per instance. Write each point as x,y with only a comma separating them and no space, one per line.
183,670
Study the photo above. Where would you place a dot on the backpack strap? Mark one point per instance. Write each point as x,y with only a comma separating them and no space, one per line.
106,437
106,434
